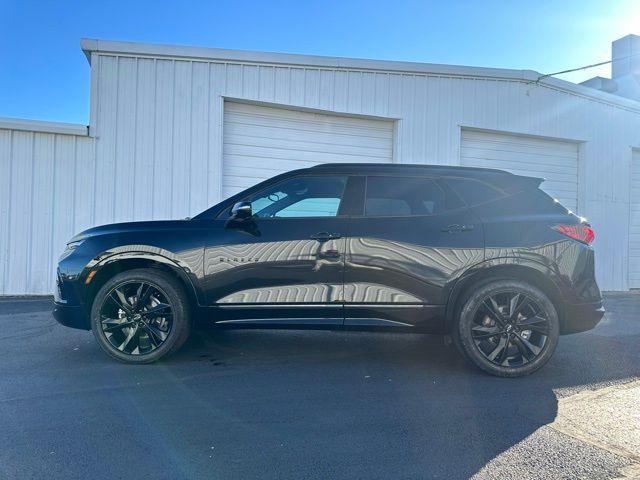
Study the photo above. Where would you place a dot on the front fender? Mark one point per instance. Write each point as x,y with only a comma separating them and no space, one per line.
187,266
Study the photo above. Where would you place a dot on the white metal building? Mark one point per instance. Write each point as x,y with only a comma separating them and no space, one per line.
174,130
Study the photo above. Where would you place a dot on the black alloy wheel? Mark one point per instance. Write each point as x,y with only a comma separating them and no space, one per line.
140,316
507,328
510,328
136,317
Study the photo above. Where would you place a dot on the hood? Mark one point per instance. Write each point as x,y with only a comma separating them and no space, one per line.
126,227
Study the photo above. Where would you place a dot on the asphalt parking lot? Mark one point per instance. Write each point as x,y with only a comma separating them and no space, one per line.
267,404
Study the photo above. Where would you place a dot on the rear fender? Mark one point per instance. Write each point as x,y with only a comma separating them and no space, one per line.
538,274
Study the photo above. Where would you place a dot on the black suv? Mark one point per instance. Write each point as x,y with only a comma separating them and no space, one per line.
482,255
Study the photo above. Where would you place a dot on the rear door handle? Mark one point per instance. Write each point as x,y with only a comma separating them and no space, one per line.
457,228
325,236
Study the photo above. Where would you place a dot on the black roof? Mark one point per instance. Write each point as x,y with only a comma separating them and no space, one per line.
406,168
500,178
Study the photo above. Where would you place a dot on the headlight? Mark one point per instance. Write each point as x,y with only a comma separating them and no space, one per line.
68,250
73,245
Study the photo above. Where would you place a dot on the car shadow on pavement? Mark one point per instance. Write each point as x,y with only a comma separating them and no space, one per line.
368,405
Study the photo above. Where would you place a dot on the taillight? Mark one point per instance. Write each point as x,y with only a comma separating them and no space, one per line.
582,233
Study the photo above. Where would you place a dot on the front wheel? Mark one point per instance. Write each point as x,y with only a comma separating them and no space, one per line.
140,316
507,328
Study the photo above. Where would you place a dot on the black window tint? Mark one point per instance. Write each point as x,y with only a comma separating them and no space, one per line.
401,196
473,192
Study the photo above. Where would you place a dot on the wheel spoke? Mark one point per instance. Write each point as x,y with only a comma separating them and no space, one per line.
157,334
142,296
530,347
518,303
480,331
114,324
152,337
505,351
127,340
158,311
536,322
120,300
498,349
492,308
527,354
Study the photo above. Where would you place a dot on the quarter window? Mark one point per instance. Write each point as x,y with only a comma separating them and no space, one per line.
473,192
402,196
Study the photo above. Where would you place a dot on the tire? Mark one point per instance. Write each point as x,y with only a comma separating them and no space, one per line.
144,331
511,314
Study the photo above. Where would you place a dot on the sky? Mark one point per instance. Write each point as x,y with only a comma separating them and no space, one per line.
45,76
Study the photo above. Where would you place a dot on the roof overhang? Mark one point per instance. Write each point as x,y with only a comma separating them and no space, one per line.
107,47
43,127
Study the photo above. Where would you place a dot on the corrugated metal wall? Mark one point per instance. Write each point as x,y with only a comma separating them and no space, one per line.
171,110
47,182
157,124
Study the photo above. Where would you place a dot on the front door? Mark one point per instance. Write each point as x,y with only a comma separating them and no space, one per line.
411,241
285,264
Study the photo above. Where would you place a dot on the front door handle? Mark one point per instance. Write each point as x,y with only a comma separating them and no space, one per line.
329,254
325,236
457,228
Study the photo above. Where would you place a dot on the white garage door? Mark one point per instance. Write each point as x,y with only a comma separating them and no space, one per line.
634,223
260,142
555,160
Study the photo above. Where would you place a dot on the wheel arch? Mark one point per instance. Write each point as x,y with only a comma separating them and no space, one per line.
538,275
116,264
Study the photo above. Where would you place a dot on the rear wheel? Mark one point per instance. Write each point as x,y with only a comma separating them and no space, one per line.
140,316
507,328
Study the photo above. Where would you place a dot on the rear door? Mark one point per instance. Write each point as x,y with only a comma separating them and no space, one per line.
413,238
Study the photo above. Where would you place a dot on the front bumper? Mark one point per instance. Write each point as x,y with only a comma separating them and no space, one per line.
72,316
581,317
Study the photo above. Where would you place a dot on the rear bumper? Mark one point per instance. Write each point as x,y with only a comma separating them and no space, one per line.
72,316
581,317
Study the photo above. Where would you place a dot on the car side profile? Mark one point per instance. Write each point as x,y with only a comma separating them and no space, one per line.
482,255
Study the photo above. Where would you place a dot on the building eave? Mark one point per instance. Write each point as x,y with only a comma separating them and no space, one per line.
43,127
108,47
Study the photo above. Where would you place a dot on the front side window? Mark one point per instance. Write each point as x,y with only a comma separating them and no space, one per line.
312,196
403,196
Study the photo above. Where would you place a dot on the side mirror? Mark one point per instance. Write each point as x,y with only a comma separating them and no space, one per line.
241,211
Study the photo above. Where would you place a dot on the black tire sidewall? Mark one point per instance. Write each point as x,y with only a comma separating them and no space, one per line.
464,340
180,327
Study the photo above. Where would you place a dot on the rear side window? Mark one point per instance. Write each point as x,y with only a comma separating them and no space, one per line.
403,196
473,192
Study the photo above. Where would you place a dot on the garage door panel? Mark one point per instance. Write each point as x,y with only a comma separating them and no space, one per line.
316,126
242,144
506,141
260,142
554,160
523,157
303,156
315,134
305,121
546,151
